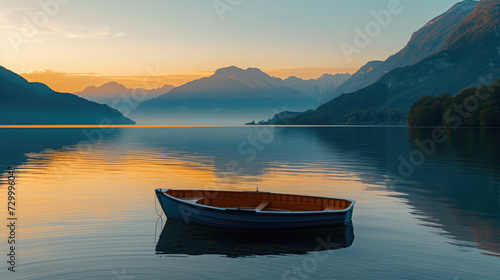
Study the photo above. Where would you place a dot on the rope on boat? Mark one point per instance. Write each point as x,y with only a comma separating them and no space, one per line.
156,208
157,235
160,218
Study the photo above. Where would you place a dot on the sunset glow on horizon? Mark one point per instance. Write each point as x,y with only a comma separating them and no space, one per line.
76,82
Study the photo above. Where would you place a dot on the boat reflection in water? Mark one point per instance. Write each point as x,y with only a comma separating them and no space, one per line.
180,239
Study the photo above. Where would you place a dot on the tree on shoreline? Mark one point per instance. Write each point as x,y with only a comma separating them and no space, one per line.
472,107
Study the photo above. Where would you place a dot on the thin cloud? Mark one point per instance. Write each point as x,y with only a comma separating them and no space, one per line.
78,32
82,32
123,34
13,21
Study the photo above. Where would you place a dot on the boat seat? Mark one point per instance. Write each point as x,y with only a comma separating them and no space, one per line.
262,205
193,200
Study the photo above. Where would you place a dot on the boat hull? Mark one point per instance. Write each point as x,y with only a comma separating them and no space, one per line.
195,214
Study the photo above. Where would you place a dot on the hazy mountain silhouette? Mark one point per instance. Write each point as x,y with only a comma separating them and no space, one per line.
320,88
428,40
22,102
119,97
232,96
471,56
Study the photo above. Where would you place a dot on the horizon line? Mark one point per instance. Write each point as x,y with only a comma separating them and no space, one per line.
179,126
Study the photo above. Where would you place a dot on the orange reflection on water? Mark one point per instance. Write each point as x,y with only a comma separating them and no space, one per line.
90,181
58,189
56,186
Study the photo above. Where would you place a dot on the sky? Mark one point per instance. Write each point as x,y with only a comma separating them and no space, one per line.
72,44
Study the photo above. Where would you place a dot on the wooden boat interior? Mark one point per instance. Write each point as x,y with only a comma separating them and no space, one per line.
260,201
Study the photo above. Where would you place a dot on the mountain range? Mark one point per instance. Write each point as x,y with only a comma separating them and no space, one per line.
470,56
119,97
428,40
232,95
25,103
456,50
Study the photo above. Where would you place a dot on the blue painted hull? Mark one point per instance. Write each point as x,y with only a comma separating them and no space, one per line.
202,215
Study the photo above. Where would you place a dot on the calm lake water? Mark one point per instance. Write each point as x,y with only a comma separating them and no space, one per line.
86,204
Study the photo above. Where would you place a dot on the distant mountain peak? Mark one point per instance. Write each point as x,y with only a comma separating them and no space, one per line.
227,71
291,78
234,71
119,96
113,84
251,77
109,87
326,75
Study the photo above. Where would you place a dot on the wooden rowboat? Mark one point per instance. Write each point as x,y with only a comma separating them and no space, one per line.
254,210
